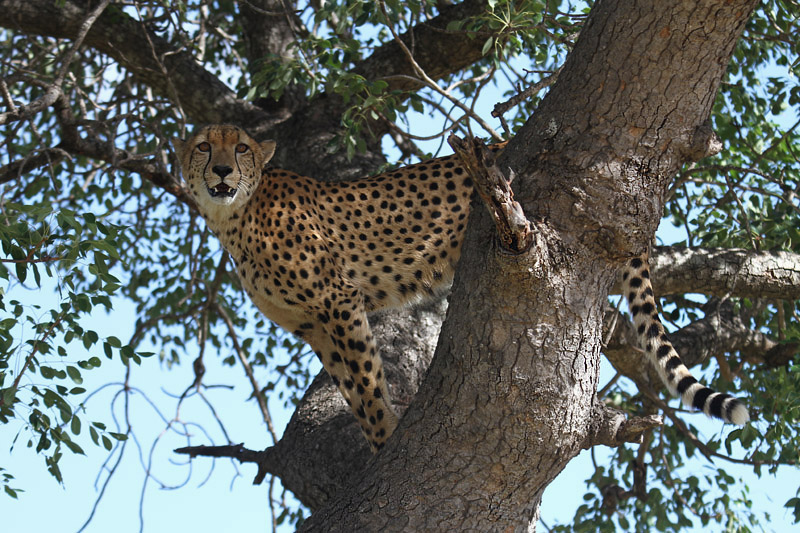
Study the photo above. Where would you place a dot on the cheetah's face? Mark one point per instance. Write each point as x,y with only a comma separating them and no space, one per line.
222,166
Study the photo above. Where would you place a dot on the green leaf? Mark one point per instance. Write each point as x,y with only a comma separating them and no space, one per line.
22,271
487,45
75,425
455,25
75,375
114,341
9,396
794,504
73,447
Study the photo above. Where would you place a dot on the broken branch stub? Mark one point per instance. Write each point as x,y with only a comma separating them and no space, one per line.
513,228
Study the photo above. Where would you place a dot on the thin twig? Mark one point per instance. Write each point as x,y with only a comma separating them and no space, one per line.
248,370
430,83
500,108
34,349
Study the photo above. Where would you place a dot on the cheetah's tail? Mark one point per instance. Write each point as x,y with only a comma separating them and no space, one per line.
653,339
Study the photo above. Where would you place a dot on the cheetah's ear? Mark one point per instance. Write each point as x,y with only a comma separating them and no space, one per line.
268,150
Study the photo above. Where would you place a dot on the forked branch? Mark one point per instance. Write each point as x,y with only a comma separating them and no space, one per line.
234,451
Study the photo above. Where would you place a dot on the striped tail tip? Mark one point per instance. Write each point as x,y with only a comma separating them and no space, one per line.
714,404
739,414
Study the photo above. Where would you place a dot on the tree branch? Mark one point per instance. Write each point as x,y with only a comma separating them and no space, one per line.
726,272
151,169
234,451
501,107
34,160
153,60
611,427
53,92
436,51
719,272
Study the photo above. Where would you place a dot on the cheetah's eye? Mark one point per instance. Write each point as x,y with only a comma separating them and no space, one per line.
204,147
242,148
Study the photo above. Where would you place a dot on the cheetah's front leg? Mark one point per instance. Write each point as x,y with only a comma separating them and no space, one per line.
341,338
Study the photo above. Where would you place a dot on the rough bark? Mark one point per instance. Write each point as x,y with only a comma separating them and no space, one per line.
508,398
726,272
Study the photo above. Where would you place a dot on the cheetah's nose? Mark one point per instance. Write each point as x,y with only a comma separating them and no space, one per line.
222,171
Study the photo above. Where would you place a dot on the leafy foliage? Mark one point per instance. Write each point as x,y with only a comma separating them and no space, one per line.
77,249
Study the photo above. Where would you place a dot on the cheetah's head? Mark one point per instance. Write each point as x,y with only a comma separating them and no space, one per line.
222,166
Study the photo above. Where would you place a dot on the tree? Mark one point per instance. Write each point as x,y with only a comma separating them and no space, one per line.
654,109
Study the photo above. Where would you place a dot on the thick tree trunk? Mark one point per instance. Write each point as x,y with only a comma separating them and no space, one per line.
510,395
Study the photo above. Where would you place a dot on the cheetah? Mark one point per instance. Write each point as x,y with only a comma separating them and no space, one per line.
316,257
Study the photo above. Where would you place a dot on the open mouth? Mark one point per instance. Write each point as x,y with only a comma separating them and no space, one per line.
221,190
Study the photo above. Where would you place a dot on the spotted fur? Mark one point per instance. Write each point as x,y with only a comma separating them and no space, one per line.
316,257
